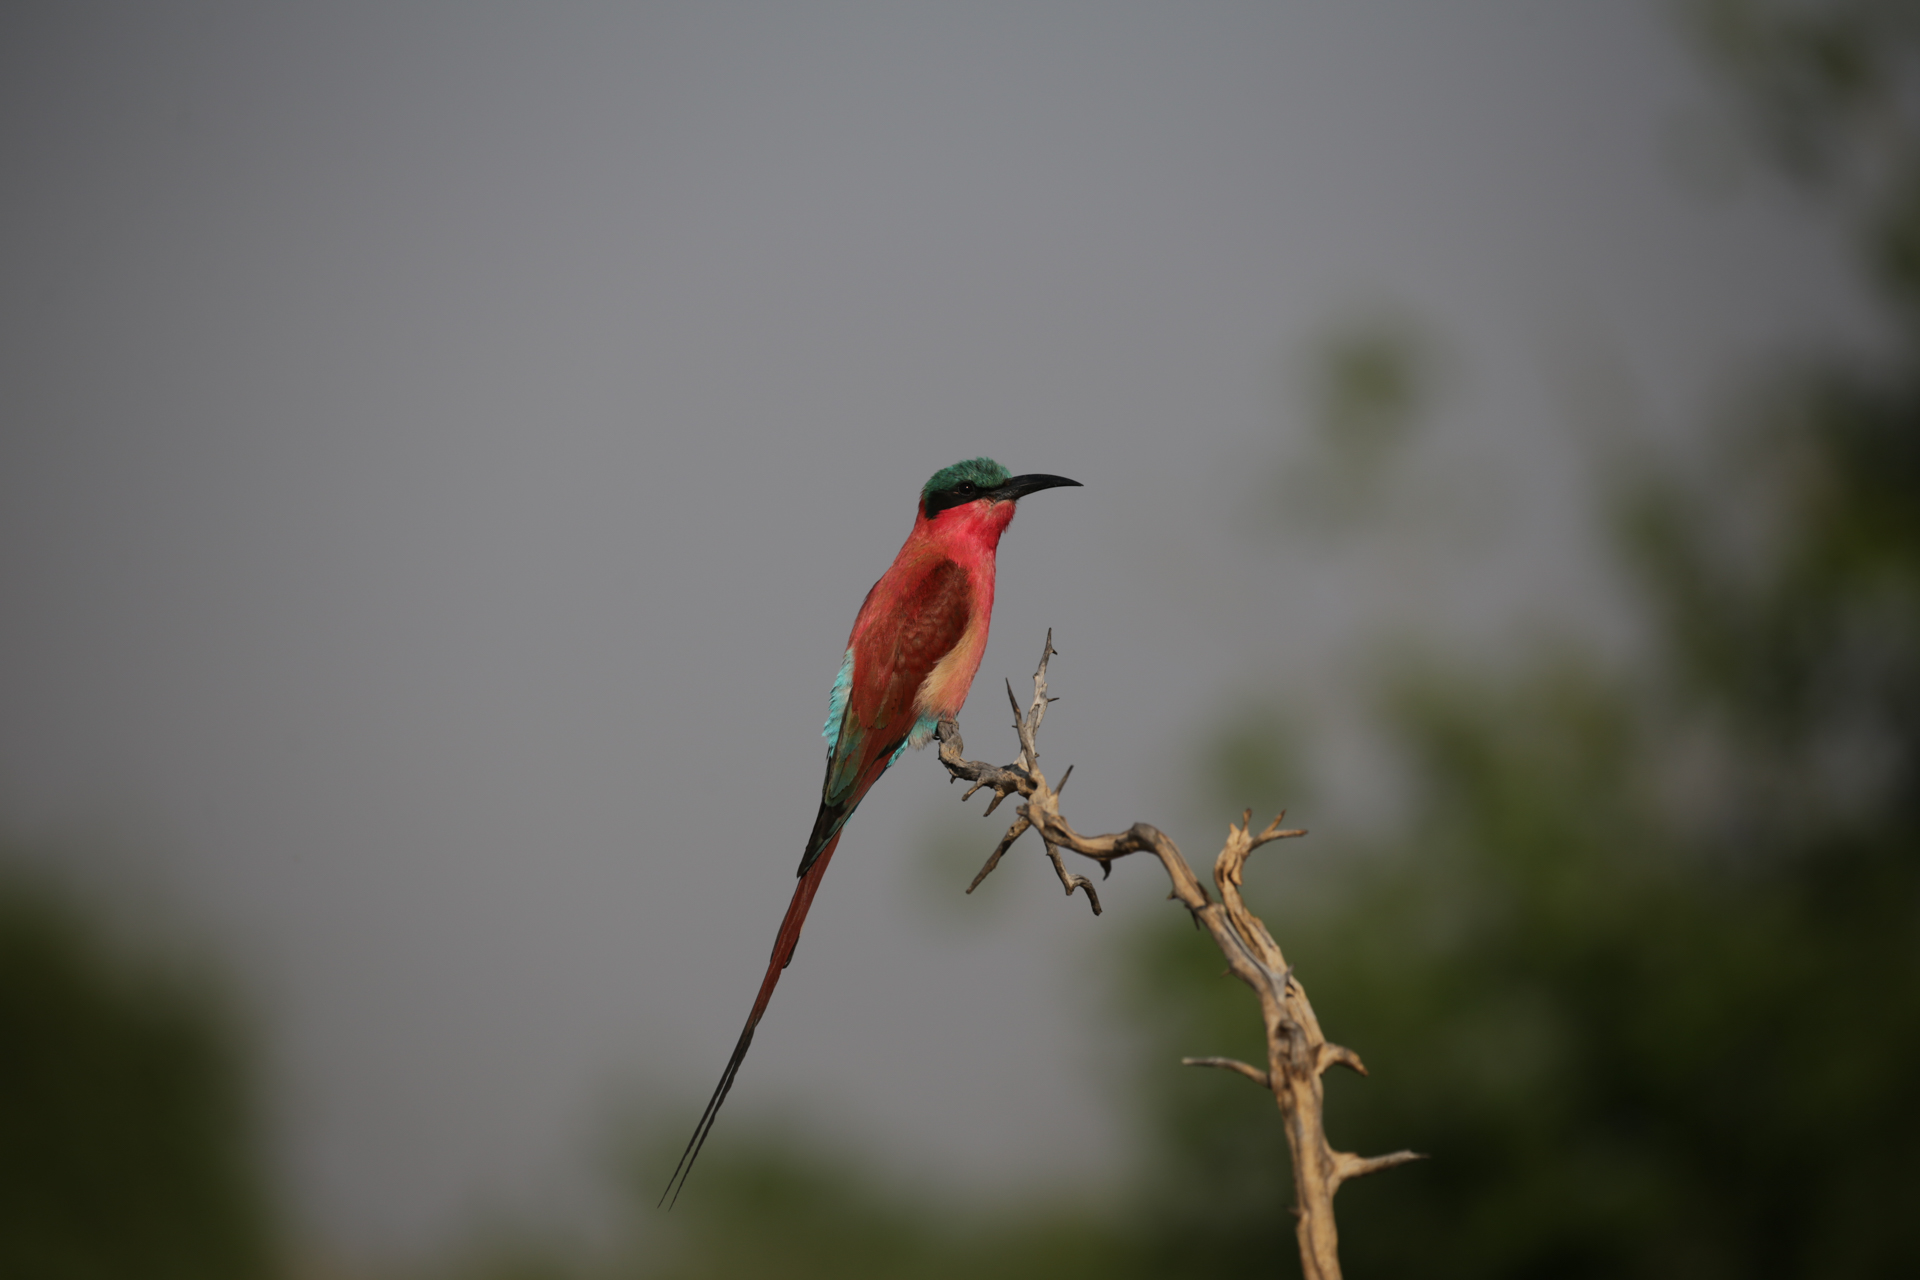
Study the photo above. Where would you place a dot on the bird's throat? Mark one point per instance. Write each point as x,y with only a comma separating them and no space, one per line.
968,533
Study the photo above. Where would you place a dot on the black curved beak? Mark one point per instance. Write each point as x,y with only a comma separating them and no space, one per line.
1021,486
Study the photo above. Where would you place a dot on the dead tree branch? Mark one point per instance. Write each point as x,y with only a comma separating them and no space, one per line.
1297,1053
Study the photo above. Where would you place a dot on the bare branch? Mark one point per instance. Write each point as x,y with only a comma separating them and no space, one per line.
1070,881
1010,781
1251,1072
1297,1053
1014,832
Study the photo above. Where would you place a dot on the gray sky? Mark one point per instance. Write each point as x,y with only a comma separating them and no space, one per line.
445,446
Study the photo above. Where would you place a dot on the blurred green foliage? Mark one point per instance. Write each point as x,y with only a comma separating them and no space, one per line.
773,1203
1632,1046
126,1148
780,1207
1367,385
1640,964
1368,382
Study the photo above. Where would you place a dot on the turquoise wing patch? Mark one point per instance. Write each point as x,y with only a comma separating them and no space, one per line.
837,702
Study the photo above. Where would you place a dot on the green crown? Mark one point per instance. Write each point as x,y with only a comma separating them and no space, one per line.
984,472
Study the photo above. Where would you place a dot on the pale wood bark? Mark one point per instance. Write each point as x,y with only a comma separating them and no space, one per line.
1297,1053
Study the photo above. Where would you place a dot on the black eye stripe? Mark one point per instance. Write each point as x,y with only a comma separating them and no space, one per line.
964,492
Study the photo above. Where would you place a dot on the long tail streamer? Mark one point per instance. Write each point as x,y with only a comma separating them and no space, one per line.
782,955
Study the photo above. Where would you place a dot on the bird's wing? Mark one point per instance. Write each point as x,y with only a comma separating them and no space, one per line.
890,660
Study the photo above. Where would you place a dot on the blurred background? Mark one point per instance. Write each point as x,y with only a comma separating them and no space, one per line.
444,446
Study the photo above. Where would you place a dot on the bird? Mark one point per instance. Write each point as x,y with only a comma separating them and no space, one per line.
911,657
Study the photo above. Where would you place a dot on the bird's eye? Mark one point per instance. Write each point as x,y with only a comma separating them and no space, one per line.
967,486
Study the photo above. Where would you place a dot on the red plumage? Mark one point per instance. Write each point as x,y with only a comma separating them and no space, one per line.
915,646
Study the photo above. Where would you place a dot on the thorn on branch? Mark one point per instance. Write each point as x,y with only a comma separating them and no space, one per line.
1338,1055
1347,1166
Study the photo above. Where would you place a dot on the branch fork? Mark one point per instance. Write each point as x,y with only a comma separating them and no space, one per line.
1297,1053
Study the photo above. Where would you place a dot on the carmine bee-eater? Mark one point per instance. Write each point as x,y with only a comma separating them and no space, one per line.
915,645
